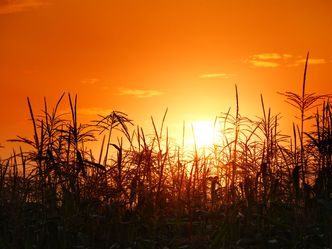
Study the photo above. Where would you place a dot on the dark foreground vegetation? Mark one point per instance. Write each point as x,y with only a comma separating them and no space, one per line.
256,189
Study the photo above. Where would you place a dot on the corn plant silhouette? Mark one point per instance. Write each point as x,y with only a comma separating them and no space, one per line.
304,102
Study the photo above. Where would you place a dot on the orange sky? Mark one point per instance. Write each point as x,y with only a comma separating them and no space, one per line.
142,56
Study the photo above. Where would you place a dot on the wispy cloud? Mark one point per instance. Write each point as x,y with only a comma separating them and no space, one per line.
267,59
139,93
258,63
90,81
12,6
273,60
311,61
271,56
216,75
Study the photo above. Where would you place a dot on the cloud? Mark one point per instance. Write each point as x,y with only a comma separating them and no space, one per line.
268,56
139,93
312,61
12,6
274,60
258,63
264,60
90,81
216,75
272,56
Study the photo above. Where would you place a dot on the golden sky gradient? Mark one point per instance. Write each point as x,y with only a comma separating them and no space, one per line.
142,56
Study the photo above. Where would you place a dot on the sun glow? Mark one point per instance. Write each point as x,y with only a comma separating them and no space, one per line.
204,134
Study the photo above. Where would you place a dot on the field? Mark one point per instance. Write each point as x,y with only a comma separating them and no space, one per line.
257,188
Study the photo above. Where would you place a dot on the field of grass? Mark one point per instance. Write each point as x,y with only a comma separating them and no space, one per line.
258,188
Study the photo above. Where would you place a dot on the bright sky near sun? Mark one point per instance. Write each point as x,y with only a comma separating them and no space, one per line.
143,56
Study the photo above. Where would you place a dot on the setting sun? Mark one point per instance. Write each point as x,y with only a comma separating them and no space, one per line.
204,134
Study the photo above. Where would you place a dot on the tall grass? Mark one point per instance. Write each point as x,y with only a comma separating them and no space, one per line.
257,188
